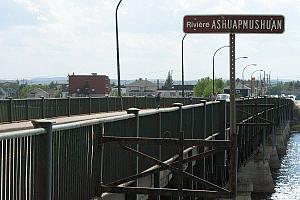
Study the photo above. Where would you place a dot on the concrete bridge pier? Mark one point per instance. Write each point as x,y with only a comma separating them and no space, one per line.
282,135
271,151
257,172
274,162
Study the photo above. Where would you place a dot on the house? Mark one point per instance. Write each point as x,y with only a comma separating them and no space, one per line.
114,91
11,92
141,87
176,91
51,93
64,90
240,90
37,93
89,85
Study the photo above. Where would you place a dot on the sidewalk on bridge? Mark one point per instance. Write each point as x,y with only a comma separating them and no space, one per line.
59,120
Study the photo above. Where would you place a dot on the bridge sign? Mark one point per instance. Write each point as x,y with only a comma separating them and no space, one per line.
233,24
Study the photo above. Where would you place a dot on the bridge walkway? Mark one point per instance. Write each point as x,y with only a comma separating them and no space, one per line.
23,125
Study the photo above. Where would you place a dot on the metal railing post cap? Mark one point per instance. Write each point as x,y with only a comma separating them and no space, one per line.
177,104
203,101
133,111
222,100
42,123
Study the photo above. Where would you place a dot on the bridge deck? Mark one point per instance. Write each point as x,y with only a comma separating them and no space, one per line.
59,120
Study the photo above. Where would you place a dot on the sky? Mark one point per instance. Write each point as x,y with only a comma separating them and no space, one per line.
51,38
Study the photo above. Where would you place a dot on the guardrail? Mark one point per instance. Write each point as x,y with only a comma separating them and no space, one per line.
80,160
26,109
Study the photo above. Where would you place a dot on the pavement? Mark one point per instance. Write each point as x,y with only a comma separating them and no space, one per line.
22,125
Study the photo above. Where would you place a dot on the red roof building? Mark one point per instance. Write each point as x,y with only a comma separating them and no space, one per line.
89,85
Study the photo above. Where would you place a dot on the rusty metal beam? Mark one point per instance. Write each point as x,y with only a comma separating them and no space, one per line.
165,141
177,171
160,168
165,191
257,105
254,124
252,116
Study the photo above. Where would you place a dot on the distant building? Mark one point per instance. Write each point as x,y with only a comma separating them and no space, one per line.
51,93
176,91
88,85
114,91
11,92
3,93
240,90
64,90
37,93
141,88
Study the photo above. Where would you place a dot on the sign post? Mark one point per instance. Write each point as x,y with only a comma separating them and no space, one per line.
233,24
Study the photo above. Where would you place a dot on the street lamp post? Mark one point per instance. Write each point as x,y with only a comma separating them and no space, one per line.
213,75
243,81
182,71
118,53
259,70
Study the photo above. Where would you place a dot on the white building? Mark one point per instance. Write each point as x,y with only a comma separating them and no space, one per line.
141,88
37,93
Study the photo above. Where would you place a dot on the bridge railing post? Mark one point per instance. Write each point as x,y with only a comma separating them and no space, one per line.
204,135
26,109
107,104
42,107
90,104
135,111
159,156
145,99
221,155
180,149
44,160
79,106
69,106
98,190
9,109
56,107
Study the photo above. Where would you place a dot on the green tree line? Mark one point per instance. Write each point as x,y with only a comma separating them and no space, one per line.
204,87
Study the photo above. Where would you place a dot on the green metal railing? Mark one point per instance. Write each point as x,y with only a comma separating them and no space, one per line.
70,161
12,110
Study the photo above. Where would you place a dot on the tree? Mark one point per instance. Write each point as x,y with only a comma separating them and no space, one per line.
219,85
199,89
52,85
203,88
26,89
169,81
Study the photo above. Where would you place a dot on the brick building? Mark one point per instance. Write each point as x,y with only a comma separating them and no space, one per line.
89,85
